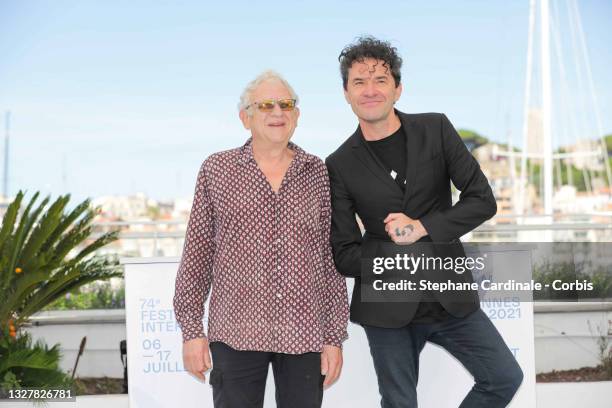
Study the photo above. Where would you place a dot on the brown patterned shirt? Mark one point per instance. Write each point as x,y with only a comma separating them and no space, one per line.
266,256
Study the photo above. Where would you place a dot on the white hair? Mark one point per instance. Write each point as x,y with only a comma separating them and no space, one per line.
268,75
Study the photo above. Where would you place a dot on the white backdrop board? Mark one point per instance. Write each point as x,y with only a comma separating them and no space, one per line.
156,376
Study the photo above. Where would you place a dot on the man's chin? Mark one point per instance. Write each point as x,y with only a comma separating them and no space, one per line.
278,137
372,116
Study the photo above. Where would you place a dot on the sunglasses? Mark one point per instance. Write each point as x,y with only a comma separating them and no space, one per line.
267,105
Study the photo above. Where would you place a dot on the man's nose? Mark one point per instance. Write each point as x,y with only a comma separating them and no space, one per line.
276,111
369,90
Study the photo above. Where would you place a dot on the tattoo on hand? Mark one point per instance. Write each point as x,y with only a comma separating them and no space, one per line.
407,230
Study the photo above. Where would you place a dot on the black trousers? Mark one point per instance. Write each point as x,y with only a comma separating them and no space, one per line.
238,378
473,340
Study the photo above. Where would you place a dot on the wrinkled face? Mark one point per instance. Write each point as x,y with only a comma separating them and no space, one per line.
276,126
371,90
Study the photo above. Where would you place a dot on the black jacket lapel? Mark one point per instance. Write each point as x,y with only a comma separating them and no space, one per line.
369,160
412,148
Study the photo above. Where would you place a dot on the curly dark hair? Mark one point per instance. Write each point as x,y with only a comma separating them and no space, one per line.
370,47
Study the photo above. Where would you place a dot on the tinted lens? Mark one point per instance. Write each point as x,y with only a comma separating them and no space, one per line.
266,106
286,104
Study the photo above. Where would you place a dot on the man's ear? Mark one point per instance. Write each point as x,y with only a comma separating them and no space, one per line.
398,92
346,97
244,117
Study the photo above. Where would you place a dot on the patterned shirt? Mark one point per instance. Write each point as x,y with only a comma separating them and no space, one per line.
266,255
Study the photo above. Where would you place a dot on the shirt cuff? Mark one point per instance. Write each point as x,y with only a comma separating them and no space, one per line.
192,330
335,338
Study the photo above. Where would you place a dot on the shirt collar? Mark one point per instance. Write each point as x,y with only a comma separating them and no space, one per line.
246,153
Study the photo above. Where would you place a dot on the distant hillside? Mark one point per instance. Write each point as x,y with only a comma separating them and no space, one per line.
472,139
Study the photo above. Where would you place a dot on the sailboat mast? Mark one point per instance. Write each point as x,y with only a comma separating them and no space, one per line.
547,167
520,207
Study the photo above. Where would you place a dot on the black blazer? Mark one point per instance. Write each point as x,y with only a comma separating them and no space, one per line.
360,185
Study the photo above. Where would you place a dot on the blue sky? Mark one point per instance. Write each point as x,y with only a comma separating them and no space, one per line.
111,97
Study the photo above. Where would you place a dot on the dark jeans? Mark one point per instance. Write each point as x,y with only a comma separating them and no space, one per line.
473,340
238,378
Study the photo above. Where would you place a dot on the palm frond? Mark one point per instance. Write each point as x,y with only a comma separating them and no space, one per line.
40,243
16,242
91,270
42,231
8,221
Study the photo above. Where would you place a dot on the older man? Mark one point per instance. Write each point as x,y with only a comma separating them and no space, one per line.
258,235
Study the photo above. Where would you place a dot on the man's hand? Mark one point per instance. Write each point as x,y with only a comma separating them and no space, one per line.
331,364
403,229
196,357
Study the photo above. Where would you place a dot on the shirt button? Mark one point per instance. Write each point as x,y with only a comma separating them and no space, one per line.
278,295
278,241
279,267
